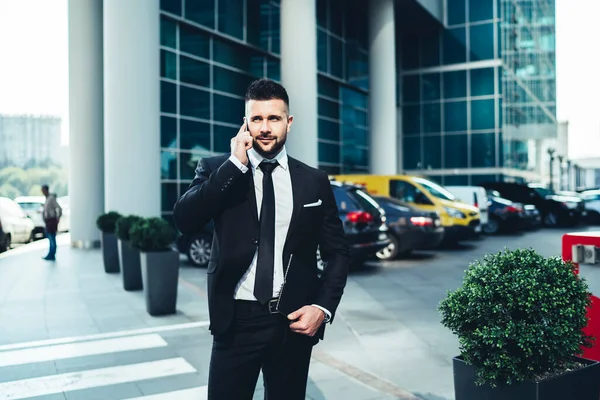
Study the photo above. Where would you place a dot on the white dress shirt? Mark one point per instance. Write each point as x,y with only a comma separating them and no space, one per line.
284,205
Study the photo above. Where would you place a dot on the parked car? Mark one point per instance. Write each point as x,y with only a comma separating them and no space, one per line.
15,224
363,221
34,207
506,215
475,196
409,228
554,210
591,199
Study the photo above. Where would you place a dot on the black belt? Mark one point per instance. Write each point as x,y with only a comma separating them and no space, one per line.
253,305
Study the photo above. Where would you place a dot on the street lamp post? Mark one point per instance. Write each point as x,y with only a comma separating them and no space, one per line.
560,172
551,152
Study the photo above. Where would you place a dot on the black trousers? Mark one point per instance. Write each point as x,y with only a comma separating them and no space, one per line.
259,340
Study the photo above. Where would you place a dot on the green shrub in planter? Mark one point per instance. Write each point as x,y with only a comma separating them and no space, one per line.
519,317
107,222
110,253
152,235
160,264
123,226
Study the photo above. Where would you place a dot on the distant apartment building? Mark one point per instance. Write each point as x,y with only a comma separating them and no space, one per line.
30,140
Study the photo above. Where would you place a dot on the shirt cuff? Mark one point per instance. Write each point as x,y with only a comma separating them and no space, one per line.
238,163
326,311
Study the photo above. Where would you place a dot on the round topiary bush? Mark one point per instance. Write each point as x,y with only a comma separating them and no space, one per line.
152,234
518,316
124,224
107,222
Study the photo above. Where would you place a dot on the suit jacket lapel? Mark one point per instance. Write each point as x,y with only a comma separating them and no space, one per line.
297,188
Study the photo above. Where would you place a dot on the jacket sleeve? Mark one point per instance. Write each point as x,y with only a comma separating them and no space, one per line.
334,250
206,195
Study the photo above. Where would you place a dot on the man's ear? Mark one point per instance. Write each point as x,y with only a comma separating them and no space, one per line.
290,121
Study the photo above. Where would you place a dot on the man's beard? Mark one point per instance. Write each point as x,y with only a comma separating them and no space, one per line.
277,146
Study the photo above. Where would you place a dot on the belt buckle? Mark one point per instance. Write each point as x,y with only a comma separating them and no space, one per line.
273,306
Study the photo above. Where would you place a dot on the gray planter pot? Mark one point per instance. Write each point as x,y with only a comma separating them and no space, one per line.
131,266
110,252
160,274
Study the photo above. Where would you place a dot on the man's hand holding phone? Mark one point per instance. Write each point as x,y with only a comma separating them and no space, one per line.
241,143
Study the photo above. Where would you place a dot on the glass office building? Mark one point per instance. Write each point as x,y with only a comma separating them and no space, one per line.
478,92
458,90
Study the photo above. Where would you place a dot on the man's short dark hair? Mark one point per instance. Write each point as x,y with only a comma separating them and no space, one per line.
266,89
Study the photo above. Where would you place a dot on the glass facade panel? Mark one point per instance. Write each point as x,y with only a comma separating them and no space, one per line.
482,42
411,120
168,97
168,64
329,152
430,49
431,118
194,71
456,151
483,146
231,18
222,138
456,10
169,196
454,43
410,52
482,81
201,12
410,88
482,114
329,109
228,109
411,152
481,10
168,33
455,116
194,103
195,136
168,164
187,165
322,50
431,86
336,57
329,130
194,41
171,6
229,81
455,84
432,151
460,180
327,87
353,157
168,132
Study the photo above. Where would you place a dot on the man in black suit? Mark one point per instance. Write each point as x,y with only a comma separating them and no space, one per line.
268,305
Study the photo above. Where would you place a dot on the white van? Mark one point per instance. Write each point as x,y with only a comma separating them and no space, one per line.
475,196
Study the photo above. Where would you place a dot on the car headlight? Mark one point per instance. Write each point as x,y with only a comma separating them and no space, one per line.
455,213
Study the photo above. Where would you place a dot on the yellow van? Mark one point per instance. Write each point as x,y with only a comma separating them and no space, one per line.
459,219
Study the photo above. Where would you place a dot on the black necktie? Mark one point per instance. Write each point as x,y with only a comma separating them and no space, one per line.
263,284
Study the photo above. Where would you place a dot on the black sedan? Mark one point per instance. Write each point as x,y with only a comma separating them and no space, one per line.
409,228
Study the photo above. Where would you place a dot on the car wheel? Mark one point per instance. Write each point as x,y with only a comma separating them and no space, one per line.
390,251
6,245
550,219
492,227
199,250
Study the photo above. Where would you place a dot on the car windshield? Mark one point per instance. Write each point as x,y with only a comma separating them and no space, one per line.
436,189
366,201
543,191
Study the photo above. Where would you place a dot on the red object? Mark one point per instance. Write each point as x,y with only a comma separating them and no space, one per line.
593,314
421,221
510,209
359,217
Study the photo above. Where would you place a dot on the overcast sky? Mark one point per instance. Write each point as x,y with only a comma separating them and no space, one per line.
34,65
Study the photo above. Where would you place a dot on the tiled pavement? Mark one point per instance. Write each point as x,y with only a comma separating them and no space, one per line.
69,331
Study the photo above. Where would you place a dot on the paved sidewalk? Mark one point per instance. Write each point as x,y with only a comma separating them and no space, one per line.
69,331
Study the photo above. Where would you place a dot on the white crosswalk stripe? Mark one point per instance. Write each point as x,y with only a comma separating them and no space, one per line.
90,379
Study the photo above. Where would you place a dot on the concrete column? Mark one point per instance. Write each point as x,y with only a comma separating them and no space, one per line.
299,76
86,171
382,88
132,107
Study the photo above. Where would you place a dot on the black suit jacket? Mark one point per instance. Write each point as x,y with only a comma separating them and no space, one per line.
223,193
